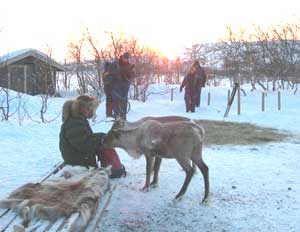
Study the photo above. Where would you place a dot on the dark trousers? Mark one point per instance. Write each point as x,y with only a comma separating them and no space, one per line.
198,97
190,102
120,97
109,100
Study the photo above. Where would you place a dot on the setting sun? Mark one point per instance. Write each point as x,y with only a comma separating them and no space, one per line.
168,26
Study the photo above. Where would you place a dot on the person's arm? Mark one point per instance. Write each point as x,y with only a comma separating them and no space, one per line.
131,71
114,69
183,84
204,77
81,138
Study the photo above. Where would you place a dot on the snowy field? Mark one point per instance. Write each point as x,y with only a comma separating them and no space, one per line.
253,188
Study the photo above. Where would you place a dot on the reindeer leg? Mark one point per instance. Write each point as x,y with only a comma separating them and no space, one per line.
51,213
157,163
86,212
189,171
149,161
24,210
10,203
204,170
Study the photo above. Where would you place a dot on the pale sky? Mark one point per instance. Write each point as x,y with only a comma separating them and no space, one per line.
165,25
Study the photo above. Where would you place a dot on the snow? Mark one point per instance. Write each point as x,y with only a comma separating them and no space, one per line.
14,54
253,187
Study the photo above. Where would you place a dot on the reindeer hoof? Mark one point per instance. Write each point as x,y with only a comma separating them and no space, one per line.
178,196
146,188
204,200
154,185
177,199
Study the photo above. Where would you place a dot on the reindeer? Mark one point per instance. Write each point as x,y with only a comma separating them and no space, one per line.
174,137
162,119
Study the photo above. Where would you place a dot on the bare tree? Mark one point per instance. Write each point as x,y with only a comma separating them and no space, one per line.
45,85
65,78
270,54
75,50
6,100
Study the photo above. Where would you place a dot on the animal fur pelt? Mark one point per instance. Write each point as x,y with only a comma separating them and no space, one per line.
53,199
72,107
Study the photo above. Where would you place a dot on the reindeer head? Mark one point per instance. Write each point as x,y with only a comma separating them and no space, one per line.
114,133
120,132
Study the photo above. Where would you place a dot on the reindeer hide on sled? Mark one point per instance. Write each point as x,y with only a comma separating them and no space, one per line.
62,197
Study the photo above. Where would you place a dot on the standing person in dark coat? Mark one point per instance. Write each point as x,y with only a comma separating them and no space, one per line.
122,72
190,84
202,77
108,89
77,142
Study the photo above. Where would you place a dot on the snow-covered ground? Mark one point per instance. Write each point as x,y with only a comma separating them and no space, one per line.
253,188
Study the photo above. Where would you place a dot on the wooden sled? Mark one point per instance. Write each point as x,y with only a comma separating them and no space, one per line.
10,221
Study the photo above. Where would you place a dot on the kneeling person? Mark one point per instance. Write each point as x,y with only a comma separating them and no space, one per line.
77,142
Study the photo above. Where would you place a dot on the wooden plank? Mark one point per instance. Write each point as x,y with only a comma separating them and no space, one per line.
3,212
53,171
16,223
57,225
101,209
68,225
39,226
6,220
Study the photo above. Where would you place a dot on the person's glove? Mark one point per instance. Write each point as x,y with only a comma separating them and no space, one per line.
102,140
101,137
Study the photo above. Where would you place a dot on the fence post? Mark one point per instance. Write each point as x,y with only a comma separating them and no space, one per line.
228,96
263,101
279,101
208,99
239,99
172,90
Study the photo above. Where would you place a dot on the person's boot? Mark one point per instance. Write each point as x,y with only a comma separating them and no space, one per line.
192,108
123,108
187,108
118,173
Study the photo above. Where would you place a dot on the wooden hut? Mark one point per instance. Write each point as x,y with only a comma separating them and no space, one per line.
29,71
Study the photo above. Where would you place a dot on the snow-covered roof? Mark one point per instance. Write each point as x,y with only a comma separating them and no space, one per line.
15,56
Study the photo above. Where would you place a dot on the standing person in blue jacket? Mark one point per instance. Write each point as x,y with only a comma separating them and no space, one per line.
107,82
122,72
201,76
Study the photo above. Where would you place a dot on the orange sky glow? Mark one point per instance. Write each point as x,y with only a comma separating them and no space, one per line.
168,26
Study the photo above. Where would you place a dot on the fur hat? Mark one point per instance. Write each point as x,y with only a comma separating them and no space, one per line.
73,108
66,110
